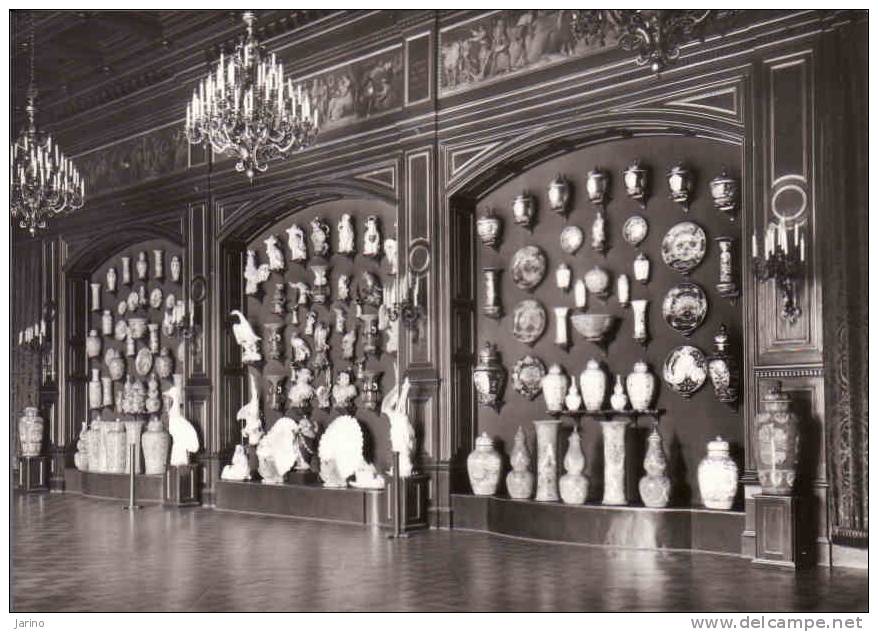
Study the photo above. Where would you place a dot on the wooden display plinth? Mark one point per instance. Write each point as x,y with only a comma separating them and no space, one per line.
103,485
350,505
413,502
33,474
777,541
622,526
181,486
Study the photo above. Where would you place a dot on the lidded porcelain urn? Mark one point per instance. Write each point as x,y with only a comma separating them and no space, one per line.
681,182
777,439
724,191
636,180
641,387
520,481
489,228
718,476
30,432
483,466
559,194
554,385
593,386
107,323
524,210
489,377
641,268
596,183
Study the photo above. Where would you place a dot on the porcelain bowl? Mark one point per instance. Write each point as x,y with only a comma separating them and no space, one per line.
137,327
593,327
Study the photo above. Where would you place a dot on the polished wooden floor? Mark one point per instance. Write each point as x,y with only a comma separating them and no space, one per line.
77,554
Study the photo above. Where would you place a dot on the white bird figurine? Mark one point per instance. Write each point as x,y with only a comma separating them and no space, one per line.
246,338
254,275
402,433
277,451
239,470
184,439
249,414
341,451
275,255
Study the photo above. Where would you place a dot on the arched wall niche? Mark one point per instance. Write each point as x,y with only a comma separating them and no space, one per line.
247,227
491,180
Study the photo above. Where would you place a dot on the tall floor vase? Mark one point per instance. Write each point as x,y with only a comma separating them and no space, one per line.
614,461
547,459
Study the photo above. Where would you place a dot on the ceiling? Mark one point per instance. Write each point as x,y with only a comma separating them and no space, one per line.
83,55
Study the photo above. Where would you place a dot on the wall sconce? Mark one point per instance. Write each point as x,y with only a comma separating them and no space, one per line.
405,303
36,339
184,318
782,259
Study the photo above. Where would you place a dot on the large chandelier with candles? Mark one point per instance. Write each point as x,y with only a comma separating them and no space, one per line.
247,110
43,182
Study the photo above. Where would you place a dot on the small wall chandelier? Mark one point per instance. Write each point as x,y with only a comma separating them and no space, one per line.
782,259
654,34
247,110
43,182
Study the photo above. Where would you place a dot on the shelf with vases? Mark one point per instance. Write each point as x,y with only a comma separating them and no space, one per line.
606,414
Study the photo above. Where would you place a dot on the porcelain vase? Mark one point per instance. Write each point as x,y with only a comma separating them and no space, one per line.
92,344
126,270
638,309
718,476
158,264
483,467
107,323
573,486
156,444
133,430
618,400
777,439
520,481
623,290
655,486
593,386
30,432
107,391
562,331
614,461
116,445
547,459
95,390
112,280
492,308
641,387
80,457
554,385
573,400
489,228
95,297
142,266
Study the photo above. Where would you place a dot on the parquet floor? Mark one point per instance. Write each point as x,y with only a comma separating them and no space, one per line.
75,554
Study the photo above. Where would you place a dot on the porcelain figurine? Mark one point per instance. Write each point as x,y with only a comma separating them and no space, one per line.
520,481
95,390
96,297
489,377
724,191
370,289
636,180
718,476
112,280
623,290
349,344
176,268
239,468
638,309
491,306
296,243
126,270
92,344
372,237
547,459
273,333
344,392
681,183
562,332
323,393
563,276
321,345
641,387
320,289
343,287
573,400
310,322
554,386
142,300
153,337
596,186
319,237
559,195
274,254
655,486
346,237
130,346
301,391
250,415
483,466
305,433
276,452
184,439
246,338
279,299
369,325
593,386
153,402
254,275
618,400
580,294
726,287
107,399
340,451
489,228
777,438
391,253
599,233
573,485
641,268
524,210
402,434
301,353
723,369
164,363
142,266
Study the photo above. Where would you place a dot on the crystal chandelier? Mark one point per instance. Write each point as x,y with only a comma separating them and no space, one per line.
43,182
246,109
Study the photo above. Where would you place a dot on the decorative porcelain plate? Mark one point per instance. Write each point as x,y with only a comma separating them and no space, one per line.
143,361
133,301
571,239
684,246
155,298
684,308
685,370
635,229
527,376
121,329
528,267
121,308
528,321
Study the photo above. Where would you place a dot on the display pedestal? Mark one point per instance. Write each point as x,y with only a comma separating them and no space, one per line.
181,486
777,541
33,474
298,477
413,502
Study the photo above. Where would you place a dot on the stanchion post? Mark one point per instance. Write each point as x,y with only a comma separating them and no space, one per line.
395,492
131,480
